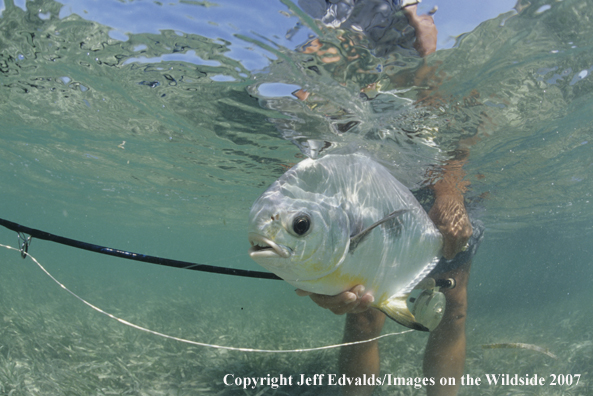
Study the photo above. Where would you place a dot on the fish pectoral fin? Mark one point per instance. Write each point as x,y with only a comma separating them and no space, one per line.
420,310
355,240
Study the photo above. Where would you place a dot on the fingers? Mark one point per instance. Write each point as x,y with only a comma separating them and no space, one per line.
354,300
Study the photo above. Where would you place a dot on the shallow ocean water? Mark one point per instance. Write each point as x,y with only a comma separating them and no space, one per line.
152,127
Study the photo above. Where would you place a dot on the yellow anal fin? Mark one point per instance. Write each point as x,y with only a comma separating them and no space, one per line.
422,309
397,309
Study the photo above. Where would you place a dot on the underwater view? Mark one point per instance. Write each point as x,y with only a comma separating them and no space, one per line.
152,127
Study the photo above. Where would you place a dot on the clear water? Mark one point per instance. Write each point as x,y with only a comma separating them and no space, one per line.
200,92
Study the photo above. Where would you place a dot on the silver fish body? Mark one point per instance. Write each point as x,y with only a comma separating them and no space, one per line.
332,223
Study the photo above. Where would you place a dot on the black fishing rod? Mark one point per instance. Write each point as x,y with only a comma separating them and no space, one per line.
20,229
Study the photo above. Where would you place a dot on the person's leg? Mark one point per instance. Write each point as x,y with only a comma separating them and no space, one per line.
445,351
357,360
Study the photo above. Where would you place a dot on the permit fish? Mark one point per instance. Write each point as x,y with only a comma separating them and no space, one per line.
332,223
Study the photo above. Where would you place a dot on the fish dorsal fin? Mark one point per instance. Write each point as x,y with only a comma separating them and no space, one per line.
358,238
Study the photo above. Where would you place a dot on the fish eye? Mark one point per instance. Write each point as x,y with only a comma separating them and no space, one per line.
301,224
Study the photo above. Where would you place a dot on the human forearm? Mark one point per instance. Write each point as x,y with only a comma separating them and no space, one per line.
448,211
451,182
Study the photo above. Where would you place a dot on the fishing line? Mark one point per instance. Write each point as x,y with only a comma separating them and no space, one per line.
170,337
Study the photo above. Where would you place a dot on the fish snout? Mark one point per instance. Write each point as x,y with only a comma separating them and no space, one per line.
262,247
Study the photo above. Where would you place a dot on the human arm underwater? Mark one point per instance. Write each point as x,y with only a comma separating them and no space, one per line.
448,212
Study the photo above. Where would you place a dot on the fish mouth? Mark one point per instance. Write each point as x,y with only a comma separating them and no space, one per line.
262,247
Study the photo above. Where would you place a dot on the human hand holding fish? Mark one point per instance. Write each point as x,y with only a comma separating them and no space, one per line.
354,300
449,215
